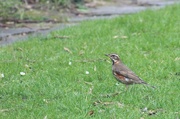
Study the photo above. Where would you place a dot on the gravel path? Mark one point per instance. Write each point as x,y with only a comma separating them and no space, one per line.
8,36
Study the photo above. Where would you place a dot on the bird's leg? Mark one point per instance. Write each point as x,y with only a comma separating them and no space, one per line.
127,87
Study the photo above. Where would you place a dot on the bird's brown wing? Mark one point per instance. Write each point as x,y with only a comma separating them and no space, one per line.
130,75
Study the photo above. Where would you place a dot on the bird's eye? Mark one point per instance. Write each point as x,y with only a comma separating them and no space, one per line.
114,57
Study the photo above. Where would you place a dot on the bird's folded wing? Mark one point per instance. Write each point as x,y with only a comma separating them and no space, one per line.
129,75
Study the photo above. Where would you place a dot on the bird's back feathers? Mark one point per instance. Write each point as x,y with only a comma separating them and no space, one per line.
123,70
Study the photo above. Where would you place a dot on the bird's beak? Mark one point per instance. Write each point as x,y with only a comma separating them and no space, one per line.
107,55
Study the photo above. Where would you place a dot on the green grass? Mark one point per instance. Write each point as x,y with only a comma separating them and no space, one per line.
147,42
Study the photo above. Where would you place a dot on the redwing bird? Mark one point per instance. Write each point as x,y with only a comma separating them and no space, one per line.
123,74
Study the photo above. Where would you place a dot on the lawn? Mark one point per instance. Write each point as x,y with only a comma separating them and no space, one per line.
67,75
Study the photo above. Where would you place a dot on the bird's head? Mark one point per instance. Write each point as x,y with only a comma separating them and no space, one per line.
114,57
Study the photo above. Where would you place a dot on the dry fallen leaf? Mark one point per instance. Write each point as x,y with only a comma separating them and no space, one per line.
120,105
95,68
152,112
67,49
90,113
107,103
89,83
4,110
90,90
81,52
96,103
124,37
45,117
45,100
177,58
115,37
110,95
19,49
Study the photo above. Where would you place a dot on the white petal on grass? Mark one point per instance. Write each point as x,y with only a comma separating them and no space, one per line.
145,109
95,68
2,76
117,84
124,37
177,58
22,73
115,36
26,65
45,117
70,63
87,72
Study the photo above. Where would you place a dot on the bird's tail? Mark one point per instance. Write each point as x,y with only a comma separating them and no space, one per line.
149,85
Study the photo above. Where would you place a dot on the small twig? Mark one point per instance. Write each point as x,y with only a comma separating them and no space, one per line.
110,95
5,110
107,103
91,88
89,83
90,113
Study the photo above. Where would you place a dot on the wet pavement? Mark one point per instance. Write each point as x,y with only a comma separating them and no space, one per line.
10,35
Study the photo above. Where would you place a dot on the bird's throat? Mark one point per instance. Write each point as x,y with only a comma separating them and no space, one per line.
115,61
